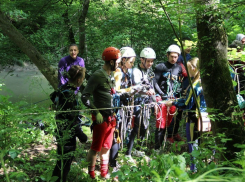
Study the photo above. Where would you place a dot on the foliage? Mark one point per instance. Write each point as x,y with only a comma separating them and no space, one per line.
116,23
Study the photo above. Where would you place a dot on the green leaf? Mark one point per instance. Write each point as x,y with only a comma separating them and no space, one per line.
13,153
195,153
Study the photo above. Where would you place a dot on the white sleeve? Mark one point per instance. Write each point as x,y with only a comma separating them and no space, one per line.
137,76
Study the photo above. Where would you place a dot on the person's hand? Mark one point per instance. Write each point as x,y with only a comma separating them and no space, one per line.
156,109
169,103
99,118
150,92
164,96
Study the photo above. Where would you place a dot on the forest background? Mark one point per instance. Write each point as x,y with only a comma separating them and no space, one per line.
39,31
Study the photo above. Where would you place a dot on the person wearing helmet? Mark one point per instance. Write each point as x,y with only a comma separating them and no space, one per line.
123,82
238,43
168,76
144,94
66,63
97,94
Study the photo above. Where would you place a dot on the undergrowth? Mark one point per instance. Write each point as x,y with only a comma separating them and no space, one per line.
21,131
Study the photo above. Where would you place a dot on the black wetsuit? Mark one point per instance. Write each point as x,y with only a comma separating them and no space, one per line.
163,72
68,128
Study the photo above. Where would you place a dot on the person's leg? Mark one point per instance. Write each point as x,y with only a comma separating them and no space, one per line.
173,128
114,154
99,131
134,132
63,166
190,135
159,137
91,159
104,160
66,169
142,137
115,147
178,119
105,150
130,145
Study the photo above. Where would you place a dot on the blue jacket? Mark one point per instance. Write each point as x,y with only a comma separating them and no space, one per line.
181,58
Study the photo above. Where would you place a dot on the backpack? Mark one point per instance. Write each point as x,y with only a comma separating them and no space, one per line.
54,97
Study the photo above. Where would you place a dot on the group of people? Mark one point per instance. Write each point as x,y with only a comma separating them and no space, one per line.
119,85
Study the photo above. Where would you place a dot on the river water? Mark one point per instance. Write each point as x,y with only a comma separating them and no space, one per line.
25,84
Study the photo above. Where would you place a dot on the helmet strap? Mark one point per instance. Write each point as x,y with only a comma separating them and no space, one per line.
144,62
113,67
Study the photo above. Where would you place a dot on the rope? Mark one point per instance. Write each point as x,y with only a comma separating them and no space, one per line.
82,110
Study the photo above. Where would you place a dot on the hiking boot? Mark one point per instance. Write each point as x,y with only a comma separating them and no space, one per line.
178,138
91,174
130,160
170,140
138,153
115,168
105,175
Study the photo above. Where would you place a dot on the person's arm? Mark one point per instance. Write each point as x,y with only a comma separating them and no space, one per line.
118,78
185,103
81,62
183,70
79,132
88,91
61,70
158,72
137,87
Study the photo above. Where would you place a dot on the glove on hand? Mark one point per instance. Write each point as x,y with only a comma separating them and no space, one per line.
99,118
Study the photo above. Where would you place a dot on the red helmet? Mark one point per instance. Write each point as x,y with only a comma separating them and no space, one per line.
111,53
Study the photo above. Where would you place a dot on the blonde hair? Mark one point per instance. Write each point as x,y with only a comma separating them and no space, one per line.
194,63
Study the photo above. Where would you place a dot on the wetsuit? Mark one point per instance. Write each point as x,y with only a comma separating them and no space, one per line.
167,84
163,71
68,128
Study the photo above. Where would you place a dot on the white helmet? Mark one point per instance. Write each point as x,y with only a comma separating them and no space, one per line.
127,52
174,48
148,53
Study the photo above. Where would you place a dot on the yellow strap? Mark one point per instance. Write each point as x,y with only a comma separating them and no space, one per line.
118,137
192,130
189,97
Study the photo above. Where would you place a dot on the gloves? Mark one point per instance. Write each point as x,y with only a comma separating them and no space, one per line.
99,118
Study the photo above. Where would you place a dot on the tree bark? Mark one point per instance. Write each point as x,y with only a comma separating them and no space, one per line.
216,81
35,56
81,23
71,36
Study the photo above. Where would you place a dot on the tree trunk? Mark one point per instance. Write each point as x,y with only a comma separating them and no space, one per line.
69,26
81,23
15,36
216,81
